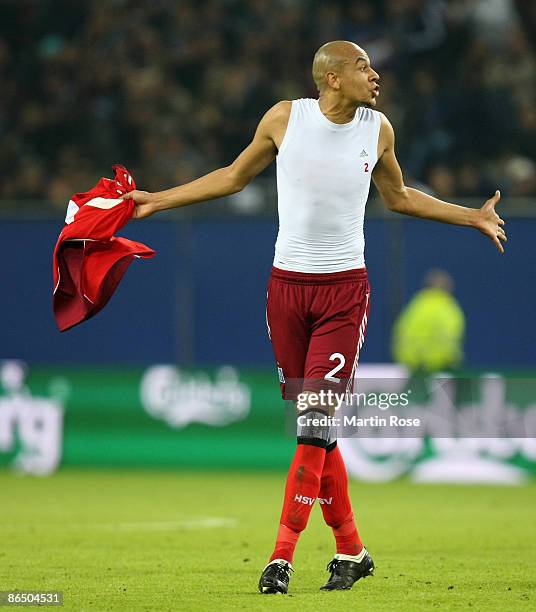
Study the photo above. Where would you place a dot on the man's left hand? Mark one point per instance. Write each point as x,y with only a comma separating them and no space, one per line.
489,222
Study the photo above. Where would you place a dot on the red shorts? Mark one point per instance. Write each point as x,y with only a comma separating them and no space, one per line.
317,325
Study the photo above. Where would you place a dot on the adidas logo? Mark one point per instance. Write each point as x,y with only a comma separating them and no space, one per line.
363,153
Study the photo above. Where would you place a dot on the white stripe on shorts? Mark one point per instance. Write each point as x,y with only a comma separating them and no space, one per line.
360,340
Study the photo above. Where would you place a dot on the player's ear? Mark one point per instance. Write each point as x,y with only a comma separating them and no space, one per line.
332,79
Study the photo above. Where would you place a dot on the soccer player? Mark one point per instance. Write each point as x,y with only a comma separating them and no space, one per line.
327,150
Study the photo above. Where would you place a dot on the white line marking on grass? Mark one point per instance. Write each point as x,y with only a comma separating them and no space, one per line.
202,522
208,522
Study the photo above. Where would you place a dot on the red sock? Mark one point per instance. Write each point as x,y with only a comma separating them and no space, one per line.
336,506
301,491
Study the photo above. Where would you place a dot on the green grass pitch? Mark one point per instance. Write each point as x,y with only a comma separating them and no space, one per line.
125,540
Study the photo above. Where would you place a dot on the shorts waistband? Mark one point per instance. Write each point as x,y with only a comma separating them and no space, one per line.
327,278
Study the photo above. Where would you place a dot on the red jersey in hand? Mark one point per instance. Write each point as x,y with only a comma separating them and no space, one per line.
89,261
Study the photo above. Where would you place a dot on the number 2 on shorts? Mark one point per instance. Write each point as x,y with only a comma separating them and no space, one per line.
331,374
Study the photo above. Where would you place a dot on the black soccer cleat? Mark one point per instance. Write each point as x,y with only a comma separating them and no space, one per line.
275,577
344,573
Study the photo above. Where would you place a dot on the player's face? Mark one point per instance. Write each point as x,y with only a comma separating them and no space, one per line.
359,81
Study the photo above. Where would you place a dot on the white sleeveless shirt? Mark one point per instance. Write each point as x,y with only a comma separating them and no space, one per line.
323,181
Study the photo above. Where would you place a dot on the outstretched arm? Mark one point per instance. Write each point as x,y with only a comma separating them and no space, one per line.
223,181
388,179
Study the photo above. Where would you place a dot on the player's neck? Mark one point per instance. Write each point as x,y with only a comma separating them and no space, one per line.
336,110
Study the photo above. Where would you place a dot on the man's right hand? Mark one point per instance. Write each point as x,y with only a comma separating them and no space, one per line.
145,205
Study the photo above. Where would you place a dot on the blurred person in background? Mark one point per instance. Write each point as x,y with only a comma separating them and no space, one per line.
428,333
441,181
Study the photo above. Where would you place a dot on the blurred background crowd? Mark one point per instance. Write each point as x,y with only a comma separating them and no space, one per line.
174,89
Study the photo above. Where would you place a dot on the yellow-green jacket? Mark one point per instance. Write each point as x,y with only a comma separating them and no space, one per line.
428,334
